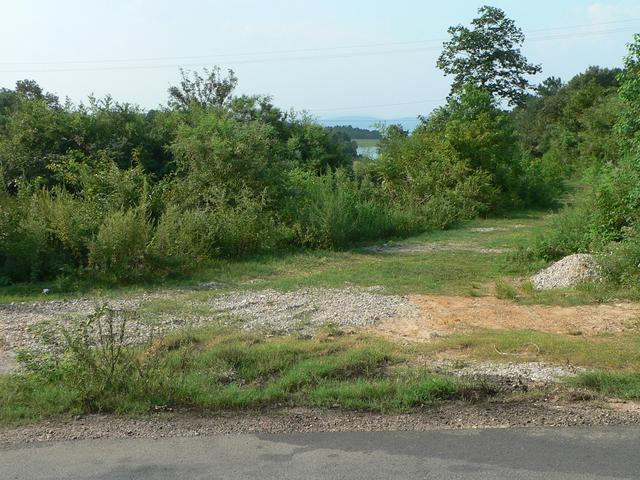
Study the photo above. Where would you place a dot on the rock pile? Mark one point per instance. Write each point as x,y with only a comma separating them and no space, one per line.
568,272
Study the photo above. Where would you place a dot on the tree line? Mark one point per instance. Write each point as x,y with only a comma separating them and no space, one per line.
106,191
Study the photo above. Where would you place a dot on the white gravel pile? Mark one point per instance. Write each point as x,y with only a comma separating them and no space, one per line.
568,272
305,309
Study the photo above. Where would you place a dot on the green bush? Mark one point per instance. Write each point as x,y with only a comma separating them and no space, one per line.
180,240
119,250
333,211
45,234
606,211
620,261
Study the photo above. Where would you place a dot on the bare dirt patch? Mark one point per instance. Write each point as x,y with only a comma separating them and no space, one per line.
438,315
435,247
495,229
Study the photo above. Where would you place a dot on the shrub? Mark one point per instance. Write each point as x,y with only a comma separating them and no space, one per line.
45,233
95,361
180,240
600,214
332,211
119,250
620,261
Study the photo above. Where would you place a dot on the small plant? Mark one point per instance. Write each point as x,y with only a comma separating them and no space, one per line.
96,357
527,287
505,290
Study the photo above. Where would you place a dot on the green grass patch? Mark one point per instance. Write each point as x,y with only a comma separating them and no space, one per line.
612,352
217,369
366,142
450,272
611,384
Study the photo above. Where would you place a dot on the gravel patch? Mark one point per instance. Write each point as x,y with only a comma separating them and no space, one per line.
281,312
511,375
17,320
307,309
434,247
568,272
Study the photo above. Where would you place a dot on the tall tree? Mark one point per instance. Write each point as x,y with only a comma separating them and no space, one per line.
212,90
488,56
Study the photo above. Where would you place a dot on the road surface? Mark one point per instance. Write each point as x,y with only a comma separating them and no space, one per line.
513,454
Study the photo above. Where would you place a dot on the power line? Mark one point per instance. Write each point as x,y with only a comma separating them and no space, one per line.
306,57
561,36
414,102
277,52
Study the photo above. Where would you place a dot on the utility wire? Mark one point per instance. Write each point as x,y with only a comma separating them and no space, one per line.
277,52
558,36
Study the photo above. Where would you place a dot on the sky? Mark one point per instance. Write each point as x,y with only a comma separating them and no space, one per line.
330,57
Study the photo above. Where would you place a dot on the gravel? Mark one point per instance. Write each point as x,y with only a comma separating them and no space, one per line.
20,321
306,309
510,376
281,312
548,412
568,272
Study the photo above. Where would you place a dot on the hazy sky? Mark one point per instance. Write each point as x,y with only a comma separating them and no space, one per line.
132,49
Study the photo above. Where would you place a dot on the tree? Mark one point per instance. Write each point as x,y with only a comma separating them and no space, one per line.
488,56
212,90
629,124
550,86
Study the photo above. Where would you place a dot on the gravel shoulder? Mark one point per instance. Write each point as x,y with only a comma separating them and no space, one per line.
548,412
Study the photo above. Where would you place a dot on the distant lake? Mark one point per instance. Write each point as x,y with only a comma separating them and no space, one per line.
367,147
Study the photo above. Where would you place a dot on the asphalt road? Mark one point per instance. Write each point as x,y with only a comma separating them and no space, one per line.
513,454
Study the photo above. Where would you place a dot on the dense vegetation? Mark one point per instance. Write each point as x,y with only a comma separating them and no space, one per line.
106,191
356,132
217,368
590,125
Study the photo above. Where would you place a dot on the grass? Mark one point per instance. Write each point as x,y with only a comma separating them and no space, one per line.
437,272
366,142
607,352
216,369
219,368
611,384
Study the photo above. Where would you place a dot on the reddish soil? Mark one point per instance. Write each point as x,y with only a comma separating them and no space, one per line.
446,314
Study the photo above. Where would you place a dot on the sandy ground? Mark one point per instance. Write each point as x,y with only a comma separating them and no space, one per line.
441,315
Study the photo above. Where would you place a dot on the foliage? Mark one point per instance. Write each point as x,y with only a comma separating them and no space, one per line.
355,132
212,90
106,191
607,211
488,56
119,248
571,125
98,369
629,124
333,211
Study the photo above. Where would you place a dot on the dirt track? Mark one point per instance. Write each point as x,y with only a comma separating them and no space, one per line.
440,315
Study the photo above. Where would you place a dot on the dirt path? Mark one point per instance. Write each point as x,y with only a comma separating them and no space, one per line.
435,247
441,315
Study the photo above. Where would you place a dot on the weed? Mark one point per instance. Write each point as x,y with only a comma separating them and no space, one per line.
505,290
